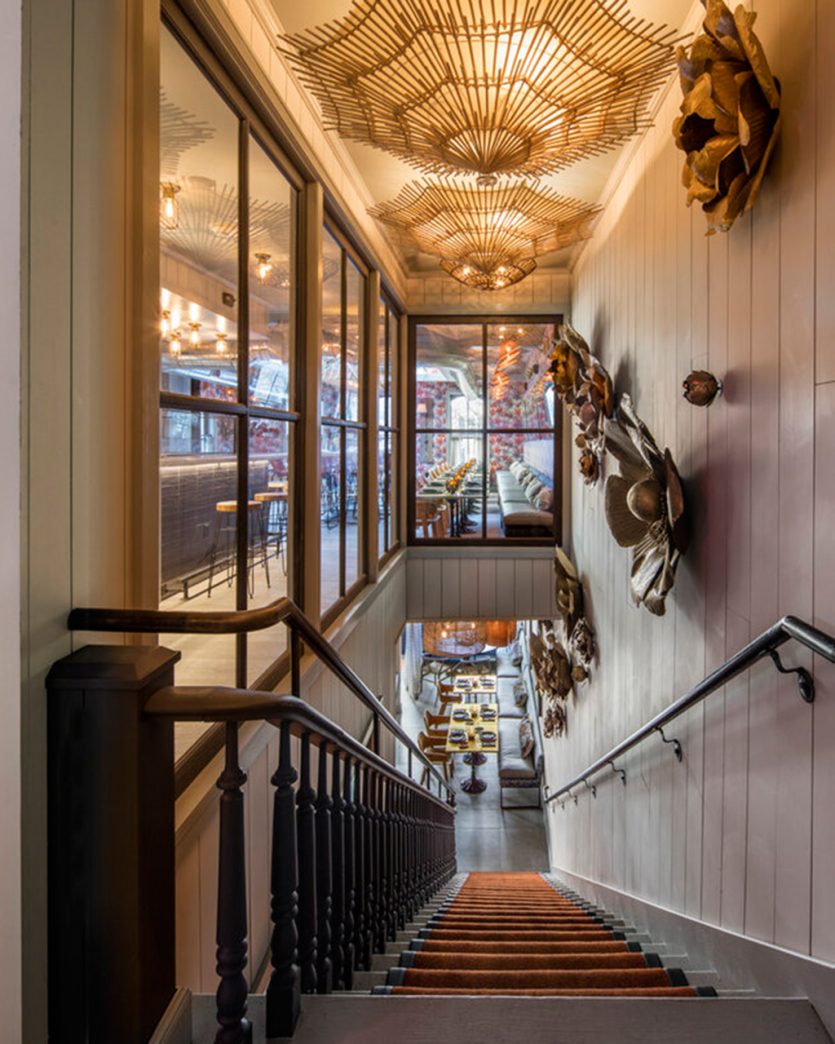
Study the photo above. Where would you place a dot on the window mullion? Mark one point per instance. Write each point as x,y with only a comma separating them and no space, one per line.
242,515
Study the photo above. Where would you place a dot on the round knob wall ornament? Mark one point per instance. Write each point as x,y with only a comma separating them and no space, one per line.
701,388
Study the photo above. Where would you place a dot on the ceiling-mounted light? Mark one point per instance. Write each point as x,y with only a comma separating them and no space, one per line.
165,323
458,223
194,335
169,211
485,86
263,268
174,344
220,342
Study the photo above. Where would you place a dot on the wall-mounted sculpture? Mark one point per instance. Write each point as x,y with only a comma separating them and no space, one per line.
645,507
701,388
730,116
552,675
584,385
577,631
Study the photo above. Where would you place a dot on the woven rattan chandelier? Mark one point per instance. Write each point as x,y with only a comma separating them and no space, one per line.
486,237
523,87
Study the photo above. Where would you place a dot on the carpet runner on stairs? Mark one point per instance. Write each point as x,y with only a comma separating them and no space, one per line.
513,933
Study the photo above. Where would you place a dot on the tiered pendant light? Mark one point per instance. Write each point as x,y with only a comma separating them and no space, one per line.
487,237
490,87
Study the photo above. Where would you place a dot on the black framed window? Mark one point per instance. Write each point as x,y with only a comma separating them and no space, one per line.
388,428
484,431
342,422
229,208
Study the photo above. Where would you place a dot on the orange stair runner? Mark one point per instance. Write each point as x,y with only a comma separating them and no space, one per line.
512,933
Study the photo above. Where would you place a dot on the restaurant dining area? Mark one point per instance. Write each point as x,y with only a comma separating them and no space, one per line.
467,697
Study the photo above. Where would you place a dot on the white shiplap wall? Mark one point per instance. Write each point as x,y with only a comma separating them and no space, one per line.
741,834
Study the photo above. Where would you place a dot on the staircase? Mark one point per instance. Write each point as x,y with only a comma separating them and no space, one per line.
513,934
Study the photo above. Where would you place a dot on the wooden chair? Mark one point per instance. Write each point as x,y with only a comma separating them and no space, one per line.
435,723
446,697
434,750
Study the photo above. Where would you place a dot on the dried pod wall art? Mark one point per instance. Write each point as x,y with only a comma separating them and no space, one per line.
730,116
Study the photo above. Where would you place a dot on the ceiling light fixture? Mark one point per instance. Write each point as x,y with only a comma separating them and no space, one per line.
169,207
487,237
484,86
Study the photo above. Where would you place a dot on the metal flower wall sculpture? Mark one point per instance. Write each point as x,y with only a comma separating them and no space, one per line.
644,503
730,116
645,507
584,385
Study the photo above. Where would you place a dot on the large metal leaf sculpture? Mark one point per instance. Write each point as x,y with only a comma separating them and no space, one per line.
645,507
730,116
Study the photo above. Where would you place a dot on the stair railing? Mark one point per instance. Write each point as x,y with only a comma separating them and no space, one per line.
354,853
302,630
765,645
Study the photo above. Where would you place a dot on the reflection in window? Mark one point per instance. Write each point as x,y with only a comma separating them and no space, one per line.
342,423
485,423
212,430
388,349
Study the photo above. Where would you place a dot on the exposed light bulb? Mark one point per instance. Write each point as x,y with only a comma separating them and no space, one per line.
175,344
194,336
263,267
169,207
165,323
220,342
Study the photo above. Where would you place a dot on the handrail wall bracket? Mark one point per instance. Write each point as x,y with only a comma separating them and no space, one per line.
805,681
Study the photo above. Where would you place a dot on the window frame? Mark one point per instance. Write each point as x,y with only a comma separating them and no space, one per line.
484,432
348,254
391,428
252,131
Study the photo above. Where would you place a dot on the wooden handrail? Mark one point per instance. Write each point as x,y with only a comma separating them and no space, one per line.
766,644
282,610
225,704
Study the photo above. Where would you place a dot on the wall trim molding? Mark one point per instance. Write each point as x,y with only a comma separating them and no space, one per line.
741,961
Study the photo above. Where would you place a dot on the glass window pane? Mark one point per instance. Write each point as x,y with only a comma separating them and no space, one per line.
382,494
353,508
354,316
449,492
391,512
198,230
521,493
331,380
270,492
517,363
394,375
272,277
198,477
448,375
331,471
382,366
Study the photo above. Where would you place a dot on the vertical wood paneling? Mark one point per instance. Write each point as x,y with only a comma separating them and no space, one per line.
741,833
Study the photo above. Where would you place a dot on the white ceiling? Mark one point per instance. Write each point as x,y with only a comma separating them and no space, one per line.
385,175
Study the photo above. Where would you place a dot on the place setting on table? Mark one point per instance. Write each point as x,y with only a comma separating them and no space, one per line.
473,731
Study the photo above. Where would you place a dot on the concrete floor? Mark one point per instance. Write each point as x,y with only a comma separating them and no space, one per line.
487,837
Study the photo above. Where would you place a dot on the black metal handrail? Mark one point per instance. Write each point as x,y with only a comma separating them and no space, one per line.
765,645
282,610
355,851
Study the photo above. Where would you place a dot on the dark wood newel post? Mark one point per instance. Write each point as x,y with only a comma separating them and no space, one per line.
283,988
110,844
234,1028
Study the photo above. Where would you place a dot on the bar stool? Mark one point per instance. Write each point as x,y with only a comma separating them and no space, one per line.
225,530
275,523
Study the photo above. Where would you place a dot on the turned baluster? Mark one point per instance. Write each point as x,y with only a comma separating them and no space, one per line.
361,951
370,865
306,832
350,879
402,883
411,857
283,988
234,1027
391,846
337,875
323,875
382,895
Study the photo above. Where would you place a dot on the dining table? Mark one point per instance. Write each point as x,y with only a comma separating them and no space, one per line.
478,725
